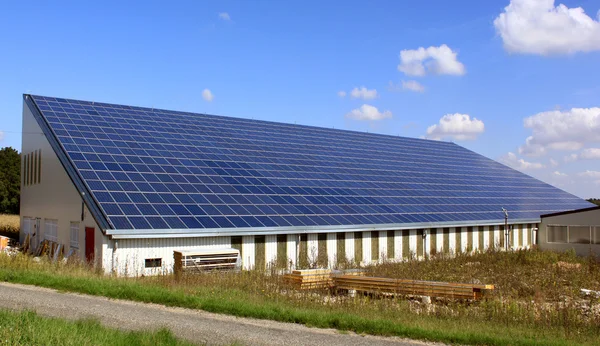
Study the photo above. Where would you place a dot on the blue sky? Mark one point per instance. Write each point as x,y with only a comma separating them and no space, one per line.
290,62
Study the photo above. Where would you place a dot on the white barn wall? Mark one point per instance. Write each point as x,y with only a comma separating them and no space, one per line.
383,245
292,247
248,252
412,241
398,245
129,256
486,237
54,197
452,239
439,241
366,247
271,249
313,247
349,239
331,249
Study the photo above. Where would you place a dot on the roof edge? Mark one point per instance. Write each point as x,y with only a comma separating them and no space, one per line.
220,232
571,211
68,165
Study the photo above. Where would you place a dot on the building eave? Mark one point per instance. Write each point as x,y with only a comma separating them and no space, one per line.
217,232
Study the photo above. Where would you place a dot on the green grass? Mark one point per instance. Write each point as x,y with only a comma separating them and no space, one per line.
28,328
511,316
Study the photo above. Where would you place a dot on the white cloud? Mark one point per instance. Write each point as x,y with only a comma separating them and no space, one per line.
553,163
207,95
432,60
559,174
368,112
413,85
590,174
457,126
513,161
539,27
224,16
363,93
586,154
567,130
341,93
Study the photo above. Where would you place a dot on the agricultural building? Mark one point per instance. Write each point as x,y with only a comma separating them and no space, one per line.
127,186
577,230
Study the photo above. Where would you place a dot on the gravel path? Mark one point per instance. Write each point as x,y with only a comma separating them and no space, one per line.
196,326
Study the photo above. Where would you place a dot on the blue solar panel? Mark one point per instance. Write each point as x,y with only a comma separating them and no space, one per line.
156,169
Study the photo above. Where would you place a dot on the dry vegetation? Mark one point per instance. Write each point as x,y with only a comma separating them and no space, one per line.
10,225
537,298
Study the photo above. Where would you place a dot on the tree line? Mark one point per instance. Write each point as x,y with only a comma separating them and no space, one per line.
10,180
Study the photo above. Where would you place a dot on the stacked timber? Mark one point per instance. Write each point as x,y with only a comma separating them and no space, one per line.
309,279
411,287
316,278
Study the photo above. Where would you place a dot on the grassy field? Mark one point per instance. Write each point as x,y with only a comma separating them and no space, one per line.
536,302
10,225
28,328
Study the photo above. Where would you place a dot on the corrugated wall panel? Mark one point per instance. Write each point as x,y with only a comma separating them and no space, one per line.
292,248
130,254
248,250
366,247
412,242
398,245
331,249
475,237
271,249
349,239
312,240
383,245
440,240
452,240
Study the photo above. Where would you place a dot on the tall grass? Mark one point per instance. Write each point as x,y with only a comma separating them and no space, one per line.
535,302
28,328
10,225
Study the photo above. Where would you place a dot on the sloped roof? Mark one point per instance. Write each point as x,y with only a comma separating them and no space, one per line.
151,169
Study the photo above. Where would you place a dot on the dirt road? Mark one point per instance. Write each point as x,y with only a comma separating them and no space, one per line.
196,326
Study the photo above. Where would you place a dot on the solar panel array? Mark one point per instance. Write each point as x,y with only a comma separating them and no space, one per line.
158,169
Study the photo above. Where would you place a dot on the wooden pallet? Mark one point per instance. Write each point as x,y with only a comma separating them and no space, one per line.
411,287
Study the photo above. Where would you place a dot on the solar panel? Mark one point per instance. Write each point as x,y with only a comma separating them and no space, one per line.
157,169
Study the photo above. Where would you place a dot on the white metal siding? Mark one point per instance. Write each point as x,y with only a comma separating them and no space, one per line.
439,242
383,245
397,245
349,239
270,249
313,247
412,241
366,244
452,239
331,249
292,246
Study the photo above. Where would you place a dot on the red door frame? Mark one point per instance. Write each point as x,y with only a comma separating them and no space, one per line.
89,244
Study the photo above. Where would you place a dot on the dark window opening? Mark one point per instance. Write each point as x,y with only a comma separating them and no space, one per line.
153,262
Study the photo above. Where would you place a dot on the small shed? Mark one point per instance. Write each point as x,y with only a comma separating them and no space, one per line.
576,229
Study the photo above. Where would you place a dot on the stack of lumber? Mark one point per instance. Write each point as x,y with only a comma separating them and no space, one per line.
316,278
309,279
411,287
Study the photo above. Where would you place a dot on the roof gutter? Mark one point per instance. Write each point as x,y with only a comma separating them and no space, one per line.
219,232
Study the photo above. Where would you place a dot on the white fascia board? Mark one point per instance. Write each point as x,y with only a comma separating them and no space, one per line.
220,232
